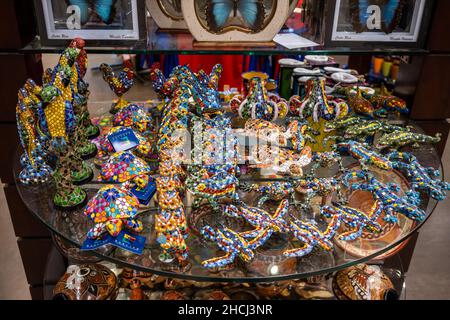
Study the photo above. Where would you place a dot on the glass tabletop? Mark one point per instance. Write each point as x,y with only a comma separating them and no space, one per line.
159,41
269,264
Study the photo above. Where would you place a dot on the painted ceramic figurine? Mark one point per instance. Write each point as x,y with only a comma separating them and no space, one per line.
387,196
274,190
363,282
280,160
316,105
398,139
259,104
119,83
421,178
112,209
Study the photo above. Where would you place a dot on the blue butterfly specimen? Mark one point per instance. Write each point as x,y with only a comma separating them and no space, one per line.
218,13
391,10
105,9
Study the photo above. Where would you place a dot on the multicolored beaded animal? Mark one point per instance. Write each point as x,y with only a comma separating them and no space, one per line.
386,195
356,220
113,208
421,178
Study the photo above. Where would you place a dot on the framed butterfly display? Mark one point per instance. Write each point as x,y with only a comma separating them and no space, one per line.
235,20
167,14
378,22
99,22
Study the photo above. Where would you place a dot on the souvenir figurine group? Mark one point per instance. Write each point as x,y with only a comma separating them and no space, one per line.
283,169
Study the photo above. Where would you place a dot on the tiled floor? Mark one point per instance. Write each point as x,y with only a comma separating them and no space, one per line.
428,278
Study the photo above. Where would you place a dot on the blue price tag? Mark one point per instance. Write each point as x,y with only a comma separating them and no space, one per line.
144,196
123,140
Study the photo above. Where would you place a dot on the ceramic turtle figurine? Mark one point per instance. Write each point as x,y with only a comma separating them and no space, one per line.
363,282
125,167
112,208
86,282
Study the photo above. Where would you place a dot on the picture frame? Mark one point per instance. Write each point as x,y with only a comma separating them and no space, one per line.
340,30
123,23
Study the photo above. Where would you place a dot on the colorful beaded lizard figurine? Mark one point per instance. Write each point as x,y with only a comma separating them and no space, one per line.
398,139
112,208
386,195
356,220
421,178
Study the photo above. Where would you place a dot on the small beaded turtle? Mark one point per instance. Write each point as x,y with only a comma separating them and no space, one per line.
125,167
112,208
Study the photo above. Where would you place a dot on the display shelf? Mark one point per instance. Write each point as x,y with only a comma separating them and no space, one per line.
183,43
268,264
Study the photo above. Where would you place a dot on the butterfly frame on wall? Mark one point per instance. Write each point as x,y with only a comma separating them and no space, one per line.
99,22
167,14
376,23
237,21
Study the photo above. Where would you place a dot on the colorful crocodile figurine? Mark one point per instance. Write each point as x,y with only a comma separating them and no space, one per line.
421,178
386,195
398,139
356,220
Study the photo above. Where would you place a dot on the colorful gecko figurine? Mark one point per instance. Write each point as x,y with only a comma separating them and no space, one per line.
387,195
311,236
421,178
233,244
398,139
363,155
259,218
355,219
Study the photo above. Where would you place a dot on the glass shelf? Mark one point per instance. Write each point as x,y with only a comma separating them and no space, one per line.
269,264
183,43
